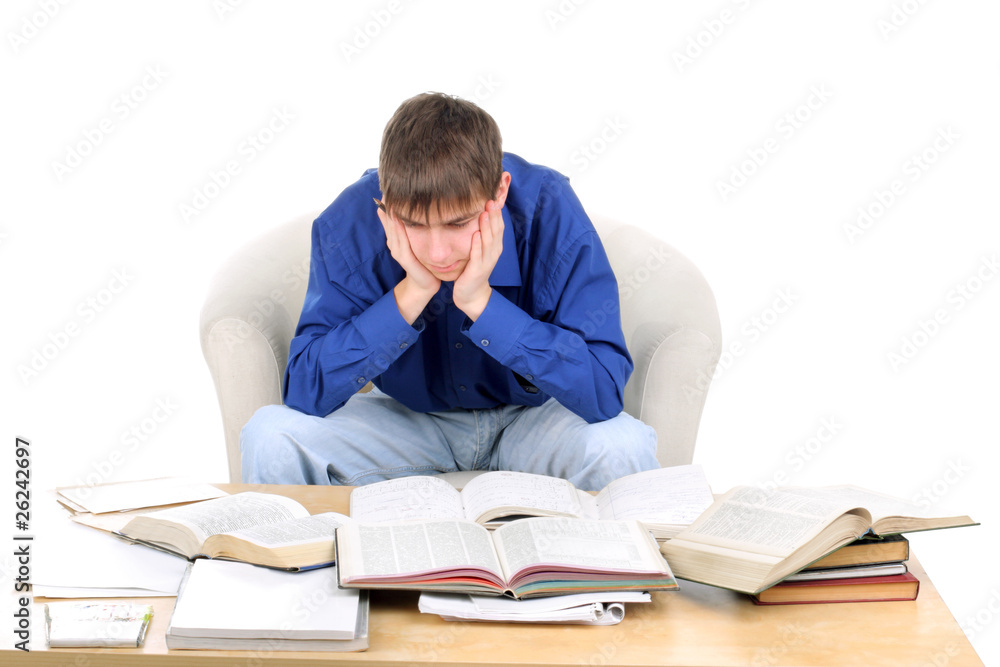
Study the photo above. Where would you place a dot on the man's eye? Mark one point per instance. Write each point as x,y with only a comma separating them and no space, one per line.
459,225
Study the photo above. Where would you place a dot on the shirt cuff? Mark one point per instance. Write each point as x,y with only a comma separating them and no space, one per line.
498,327
385,332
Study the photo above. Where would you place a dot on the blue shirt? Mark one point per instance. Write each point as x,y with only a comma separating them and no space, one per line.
550,329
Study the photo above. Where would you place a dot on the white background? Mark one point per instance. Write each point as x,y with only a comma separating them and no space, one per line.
668,99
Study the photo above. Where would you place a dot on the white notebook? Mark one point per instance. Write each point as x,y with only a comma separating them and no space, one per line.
231,600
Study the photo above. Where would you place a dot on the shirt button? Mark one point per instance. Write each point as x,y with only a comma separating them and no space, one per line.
458,346
529,377
485,342
402,346
461,387
361,380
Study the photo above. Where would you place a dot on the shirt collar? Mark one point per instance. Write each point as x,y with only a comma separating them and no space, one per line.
507,272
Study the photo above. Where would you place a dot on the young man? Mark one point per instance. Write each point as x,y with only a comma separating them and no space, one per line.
471,288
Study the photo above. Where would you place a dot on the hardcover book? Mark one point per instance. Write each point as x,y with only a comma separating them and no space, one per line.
866,589
751,538
525,558
260,528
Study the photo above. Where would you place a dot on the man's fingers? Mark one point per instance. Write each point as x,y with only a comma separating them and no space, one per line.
496,224
476,254
485,232
492,229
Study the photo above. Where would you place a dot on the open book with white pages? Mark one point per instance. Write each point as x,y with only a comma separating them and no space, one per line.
664,500
532,557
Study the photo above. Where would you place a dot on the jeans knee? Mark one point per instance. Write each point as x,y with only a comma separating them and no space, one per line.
622,449
267,446
261,428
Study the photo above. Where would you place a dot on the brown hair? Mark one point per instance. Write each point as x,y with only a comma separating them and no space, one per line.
442,149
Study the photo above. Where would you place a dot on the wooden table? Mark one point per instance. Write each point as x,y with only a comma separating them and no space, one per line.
698,625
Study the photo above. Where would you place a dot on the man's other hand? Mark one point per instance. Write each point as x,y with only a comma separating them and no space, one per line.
472,288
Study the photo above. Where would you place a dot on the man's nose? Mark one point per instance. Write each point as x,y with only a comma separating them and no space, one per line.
439,249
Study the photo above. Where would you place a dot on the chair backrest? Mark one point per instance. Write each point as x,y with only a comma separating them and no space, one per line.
668,314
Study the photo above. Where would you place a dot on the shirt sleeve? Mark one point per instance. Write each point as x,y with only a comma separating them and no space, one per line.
573,349
345,337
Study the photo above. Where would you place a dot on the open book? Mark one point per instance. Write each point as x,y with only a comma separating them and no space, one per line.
752,538
526,558
258,528
666,500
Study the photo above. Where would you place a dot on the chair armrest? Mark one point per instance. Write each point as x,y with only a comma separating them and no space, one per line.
247,323
671,325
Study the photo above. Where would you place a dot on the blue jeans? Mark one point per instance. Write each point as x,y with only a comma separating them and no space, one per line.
373,437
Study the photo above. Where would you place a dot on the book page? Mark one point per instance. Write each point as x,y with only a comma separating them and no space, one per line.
417,497
144,493
225,515
879,504
598,544
519,489
673,496
419,546
773,522
889,514
290,533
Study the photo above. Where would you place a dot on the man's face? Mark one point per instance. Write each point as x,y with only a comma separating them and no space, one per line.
444,241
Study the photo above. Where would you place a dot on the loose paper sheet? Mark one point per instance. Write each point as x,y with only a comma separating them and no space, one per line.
142,493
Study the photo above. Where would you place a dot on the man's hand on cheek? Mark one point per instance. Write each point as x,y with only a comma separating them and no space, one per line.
472,288
419,285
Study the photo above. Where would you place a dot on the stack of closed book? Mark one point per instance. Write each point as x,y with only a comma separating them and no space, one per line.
866,570
238,606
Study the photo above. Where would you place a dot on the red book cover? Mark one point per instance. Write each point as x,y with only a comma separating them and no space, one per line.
863,589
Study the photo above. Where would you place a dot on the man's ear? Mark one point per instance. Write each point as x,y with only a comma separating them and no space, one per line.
502,189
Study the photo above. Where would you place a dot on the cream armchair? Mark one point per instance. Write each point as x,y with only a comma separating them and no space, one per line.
668,313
